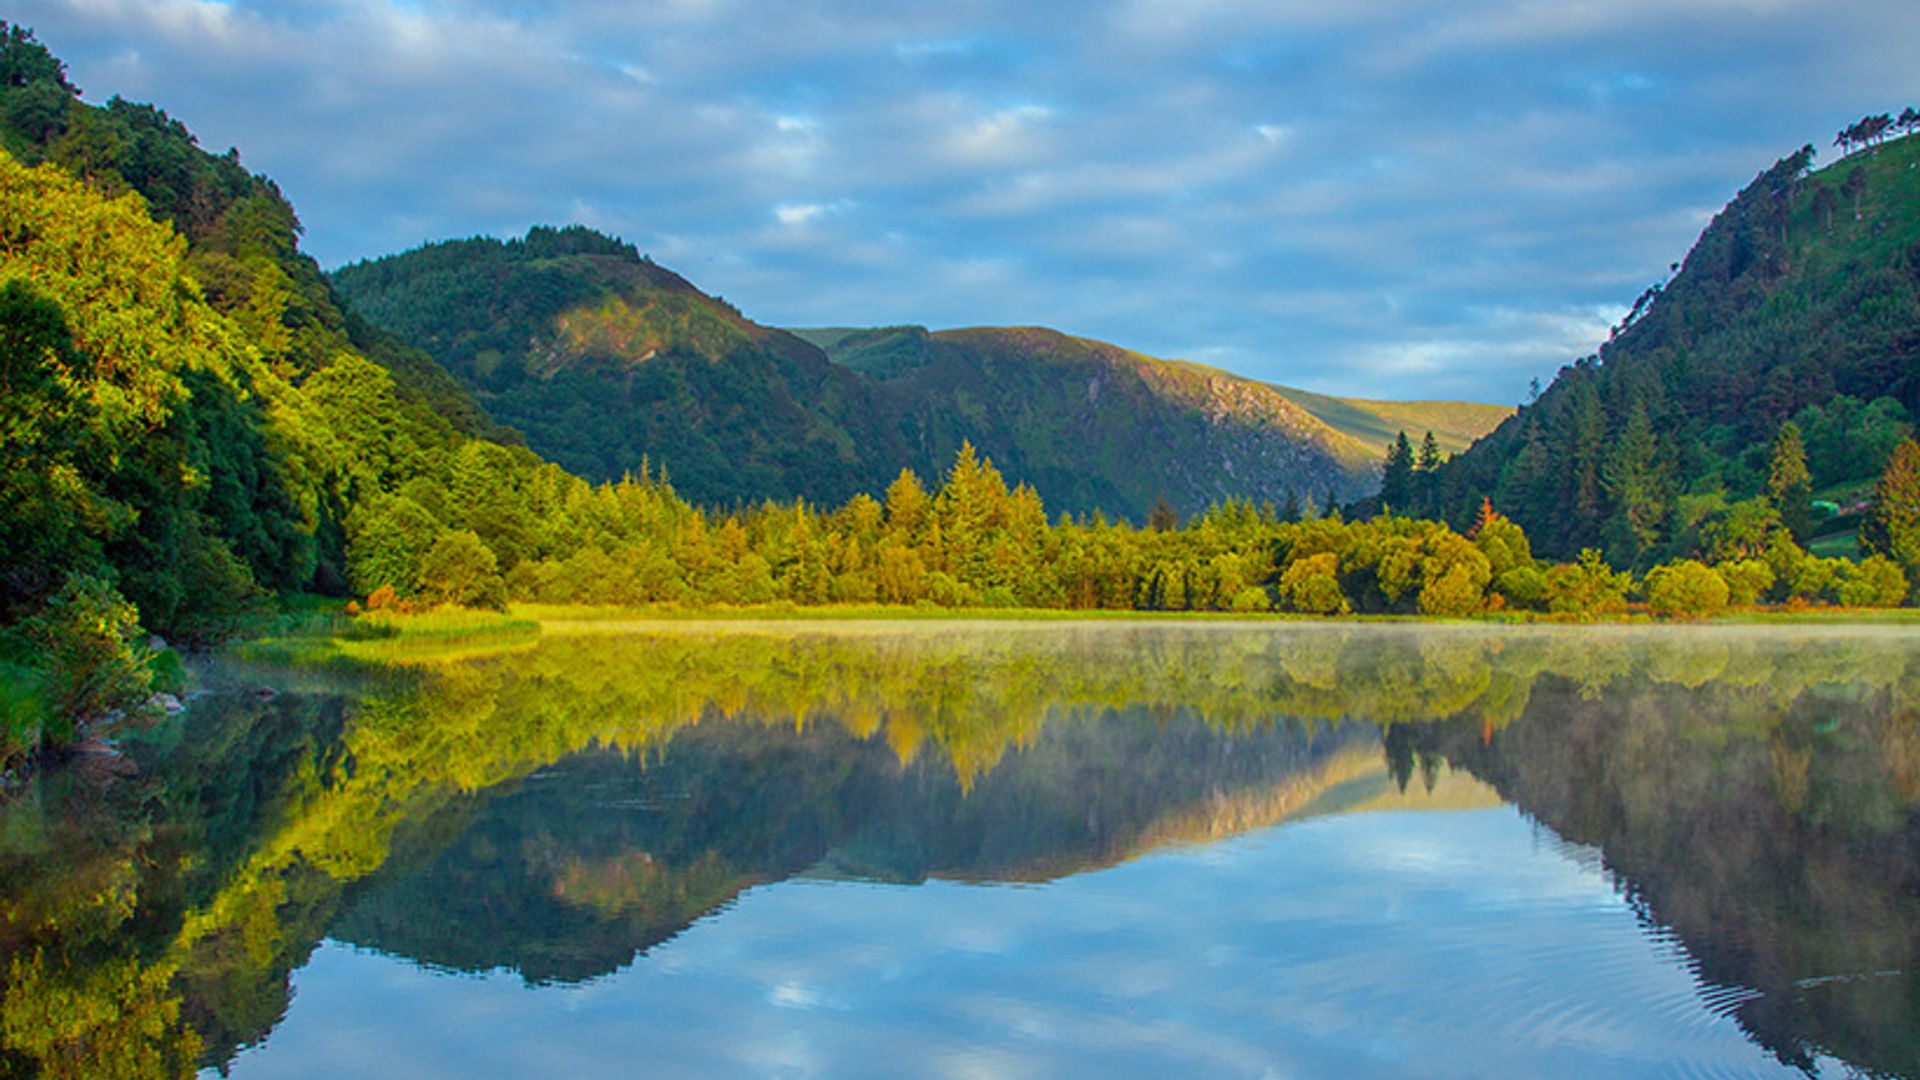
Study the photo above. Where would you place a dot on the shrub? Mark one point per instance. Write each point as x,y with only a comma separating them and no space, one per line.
386,543
1523,587
1686,589
1252,598
1456,575
459,569
1816,578
1504,544
1588,587
1312,585
1747,580
1874,582
23,712
90,643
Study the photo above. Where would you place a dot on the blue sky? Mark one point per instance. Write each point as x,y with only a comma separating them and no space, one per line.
1368,197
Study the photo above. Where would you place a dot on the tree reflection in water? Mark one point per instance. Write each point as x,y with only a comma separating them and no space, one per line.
560,809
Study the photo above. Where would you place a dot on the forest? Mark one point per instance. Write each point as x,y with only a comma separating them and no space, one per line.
196,432
1792,330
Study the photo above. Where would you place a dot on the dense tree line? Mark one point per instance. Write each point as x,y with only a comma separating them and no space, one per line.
975,541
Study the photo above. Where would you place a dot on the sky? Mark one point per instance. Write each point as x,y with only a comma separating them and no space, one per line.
1367,197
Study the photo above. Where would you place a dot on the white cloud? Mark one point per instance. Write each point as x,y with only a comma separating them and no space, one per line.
798,213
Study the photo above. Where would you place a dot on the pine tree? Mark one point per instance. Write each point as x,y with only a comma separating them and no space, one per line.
1290,508
1892,527
1396,476
1585,442
1163,518
1485,517
1427,476
1788,481
1636,484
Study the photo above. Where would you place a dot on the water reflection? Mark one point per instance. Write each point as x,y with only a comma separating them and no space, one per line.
558,811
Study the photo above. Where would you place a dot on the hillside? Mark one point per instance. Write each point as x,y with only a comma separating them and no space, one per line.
605,360
1093,425
242,234
1365,426
1455,424
1800,302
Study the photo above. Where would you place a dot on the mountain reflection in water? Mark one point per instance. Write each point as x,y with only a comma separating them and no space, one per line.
558,812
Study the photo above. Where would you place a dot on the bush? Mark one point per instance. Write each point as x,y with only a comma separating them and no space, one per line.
1874,582
1816,578
1252,598
1312,585
1747,580
95,662
386,543
1456,575
1686,589
1505,546
459,569
1523,587
1588,587
23,712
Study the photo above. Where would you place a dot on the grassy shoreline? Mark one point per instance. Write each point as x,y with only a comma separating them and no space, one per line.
324,636
553,613
559,613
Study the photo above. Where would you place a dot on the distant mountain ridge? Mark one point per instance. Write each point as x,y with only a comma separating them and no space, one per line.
609,363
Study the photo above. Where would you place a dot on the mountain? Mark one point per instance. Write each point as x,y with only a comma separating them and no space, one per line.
606,361
609,363
1096,426
1454,424
1800,302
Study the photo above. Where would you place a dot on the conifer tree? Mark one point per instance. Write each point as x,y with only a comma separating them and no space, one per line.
1163,518
1396,476
1892,527
1788,481
1427,476
1290,508
1635,484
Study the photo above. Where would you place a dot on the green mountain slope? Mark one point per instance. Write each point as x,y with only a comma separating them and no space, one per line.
1800,302
243,235
606,361
1093,425
1364,426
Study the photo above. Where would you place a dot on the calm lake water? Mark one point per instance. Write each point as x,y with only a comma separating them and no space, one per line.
1016,849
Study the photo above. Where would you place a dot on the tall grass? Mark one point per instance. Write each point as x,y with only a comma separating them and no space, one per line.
23,713
382,638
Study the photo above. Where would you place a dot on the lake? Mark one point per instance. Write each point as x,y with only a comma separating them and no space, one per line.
995,849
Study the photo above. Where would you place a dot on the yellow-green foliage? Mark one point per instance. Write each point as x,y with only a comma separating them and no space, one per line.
1747,580
1687,588
1587,587
1876,581
1311,585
